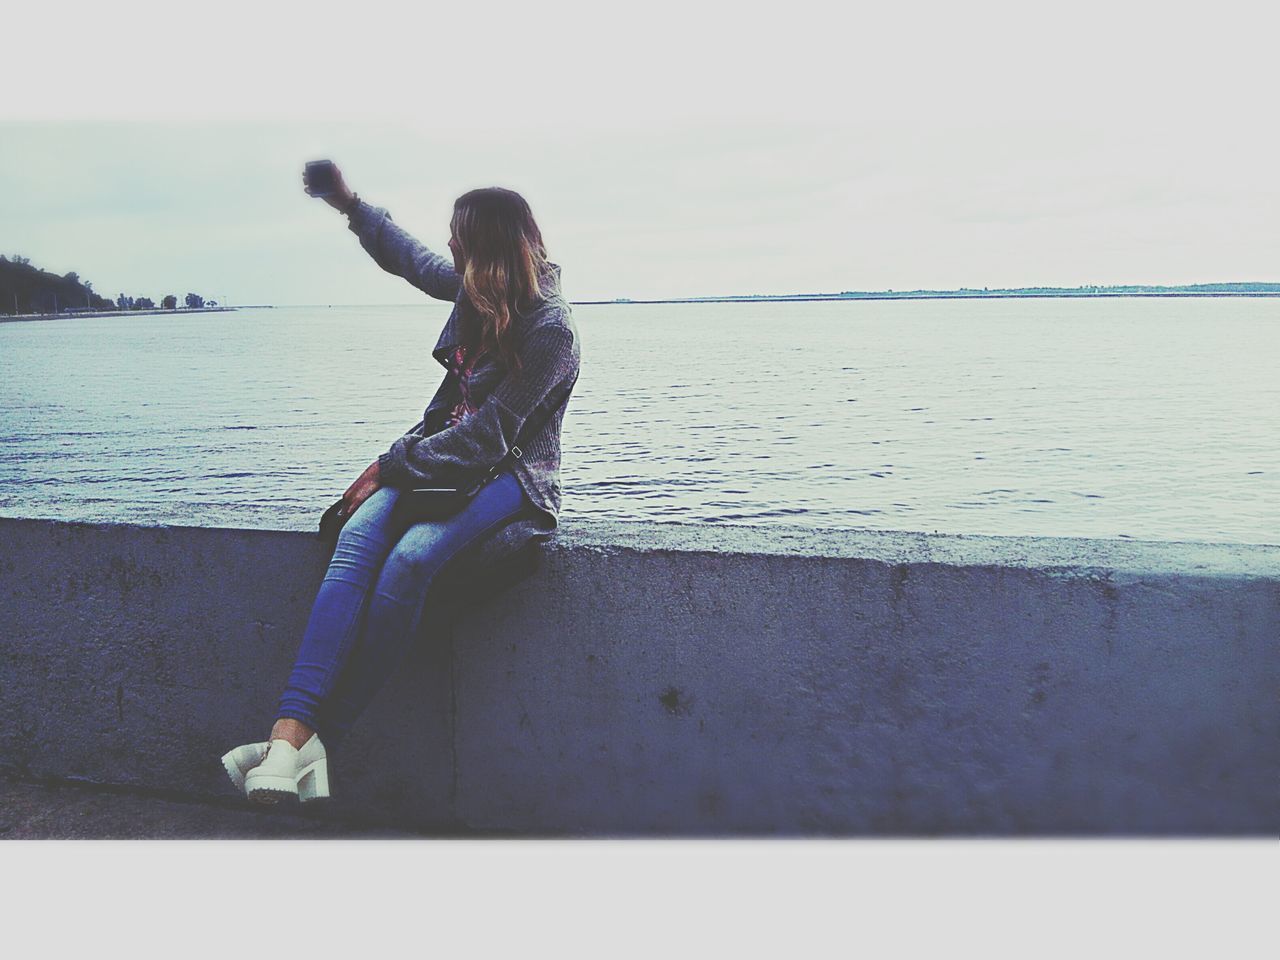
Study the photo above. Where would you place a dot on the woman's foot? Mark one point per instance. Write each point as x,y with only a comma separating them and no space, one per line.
310,776
287,771
239,761
295,731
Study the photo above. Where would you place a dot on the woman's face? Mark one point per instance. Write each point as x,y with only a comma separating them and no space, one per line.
456,249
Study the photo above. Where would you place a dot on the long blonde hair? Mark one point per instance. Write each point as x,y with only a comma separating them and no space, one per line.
504,260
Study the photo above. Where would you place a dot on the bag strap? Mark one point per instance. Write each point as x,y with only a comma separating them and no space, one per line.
526,432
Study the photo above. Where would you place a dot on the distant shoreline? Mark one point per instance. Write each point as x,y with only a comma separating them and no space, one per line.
9,318
782,298
803,297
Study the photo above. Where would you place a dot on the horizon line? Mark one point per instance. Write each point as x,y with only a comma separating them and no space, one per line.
968,293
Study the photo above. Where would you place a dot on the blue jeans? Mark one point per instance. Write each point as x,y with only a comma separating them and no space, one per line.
371,598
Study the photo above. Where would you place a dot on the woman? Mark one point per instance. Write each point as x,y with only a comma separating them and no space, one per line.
511,350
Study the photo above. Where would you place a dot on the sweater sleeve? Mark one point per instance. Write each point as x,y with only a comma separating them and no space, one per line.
420,428
440,397
395,251
455,455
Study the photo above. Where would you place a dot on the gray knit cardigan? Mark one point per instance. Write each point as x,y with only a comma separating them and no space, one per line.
549,348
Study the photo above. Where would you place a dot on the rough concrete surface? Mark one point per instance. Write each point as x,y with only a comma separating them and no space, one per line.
664,679
76,811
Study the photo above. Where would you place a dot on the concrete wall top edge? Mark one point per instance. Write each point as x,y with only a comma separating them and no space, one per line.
913,547
1074,556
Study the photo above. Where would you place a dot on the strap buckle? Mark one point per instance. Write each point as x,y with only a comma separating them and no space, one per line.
517,451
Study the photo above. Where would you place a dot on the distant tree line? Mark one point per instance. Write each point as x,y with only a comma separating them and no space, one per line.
28,289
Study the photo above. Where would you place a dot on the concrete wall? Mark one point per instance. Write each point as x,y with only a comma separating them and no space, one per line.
678,680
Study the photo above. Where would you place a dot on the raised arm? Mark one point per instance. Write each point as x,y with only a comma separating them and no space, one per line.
392,249
396,251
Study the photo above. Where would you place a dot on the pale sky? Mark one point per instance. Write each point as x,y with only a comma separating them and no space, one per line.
666,149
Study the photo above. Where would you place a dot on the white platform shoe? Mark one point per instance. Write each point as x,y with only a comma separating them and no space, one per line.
241,760
286,771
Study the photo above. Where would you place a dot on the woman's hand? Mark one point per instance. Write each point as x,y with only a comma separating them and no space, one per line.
341,195
361,490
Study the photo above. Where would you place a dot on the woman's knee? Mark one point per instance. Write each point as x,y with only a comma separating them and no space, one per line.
368,532
412,562
370,518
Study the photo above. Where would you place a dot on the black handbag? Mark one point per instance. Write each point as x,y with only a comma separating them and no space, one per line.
439,503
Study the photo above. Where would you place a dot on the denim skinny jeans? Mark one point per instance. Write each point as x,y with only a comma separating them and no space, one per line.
366,613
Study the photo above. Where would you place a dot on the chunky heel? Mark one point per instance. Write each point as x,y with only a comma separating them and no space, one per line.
313,783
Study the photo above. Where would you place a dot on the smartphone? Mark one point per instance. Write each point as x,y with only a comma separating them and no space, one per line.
320,178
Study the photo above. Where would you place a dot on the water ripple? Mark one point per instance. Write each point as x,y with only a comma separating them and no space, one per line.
1149,419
